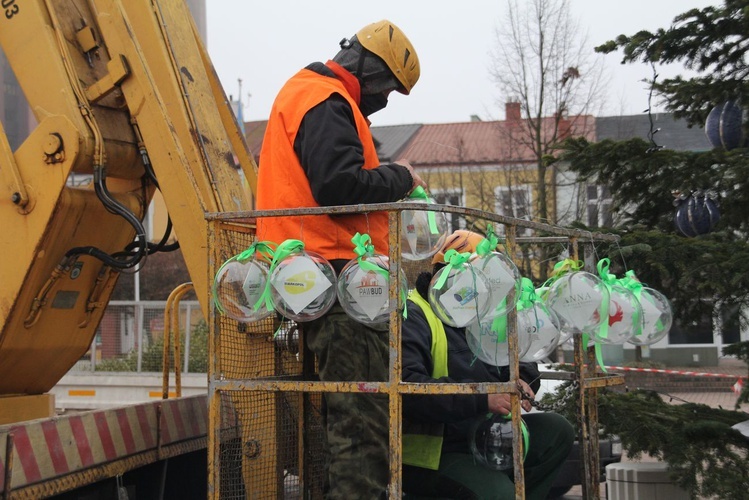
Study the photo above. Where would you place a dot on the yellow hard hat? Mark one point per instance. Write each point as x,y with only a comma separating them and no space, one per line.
389,43
461,241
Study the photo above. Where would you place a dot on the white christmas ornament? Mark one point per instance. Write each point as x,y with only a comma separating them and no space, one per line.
238,286
625,317
302,286
488,341
580,300
541,326
502,275
363,288
422,232
459,294
657,317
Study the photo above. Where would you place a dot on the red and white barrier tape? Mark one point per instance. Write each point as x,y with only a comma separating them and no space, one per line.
674,372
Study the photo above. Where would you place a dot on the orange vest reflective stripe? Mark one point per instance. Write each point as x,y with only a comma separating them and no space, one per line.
282,182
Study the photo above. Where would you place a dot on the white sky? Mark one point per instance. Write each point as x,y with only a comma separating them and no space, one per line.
264,43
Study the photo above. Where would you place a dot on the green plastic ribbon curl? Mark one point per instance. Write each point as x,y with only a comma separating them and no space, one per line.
419,193
603,271
560,269
563,267
609,280
285,249
363,248
634,285
265,248
454,259
488,244
527,295
362,245
631,283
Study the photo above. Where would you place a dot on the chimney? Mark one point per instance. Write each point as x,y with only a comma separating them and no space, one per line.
564,126
512,111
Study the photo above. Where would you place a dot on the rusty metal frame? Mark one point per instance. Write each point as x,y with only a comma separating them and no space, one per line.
585,373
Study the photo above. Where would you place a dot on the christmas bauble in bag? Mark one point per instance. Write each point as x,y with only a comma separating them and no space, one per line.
625,317
459,294
422,232
238,286
302,286
657,317
540,325
580,300
503,276
363,287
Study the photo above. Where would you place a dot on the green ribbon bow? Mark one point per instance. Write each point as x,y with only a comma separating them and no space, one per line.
363,248
265,248
362,245
563,267
603,271
560,269
419,193
631,283
454,259
285,249
488,244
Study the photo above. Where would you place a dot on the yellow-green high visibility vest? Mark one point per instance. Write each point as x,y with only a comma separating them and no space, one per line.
422,442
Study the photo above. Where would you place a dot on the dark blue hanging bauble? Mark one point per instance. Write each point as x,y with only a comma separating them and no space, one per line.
724,126
696,213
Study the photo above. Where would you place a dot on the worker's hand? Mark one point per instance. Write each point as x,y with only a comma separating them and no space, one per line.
525,403
417,180
501,403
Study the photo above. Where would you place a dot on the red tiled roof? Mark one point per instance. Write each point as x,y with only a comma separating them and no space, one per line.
477,143
449,144
253,134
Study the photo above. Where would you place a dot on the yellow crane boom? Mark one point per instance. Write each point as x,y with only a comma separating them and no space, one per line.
124,91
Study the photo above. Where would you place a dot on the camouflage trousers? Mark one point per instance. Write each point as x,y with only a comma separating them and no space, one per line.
356,425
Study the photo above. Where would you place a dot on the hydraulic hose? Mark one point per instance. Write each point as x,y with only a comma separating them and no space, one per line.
117,208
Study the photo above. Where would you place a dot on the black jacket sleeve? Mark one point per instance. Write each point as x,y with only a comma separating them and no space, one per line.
416,341
331,153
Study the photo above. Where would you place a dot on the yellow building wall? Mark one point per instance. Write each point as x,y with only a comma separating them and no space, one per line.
478,185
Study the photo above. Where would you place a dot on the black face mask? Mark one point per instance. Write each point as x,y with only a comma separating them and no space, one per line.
372,103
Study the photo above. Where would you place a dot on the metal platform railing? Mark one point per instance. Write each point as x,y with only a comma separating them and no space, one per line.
272,394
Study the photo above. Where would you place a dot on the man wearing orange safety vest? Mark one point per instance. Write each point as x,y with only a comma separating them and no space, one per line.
318,151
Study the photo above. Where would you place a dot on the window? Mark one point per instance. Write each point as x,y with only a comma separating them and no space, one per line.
599,206
514,201
700,328
730,323
450,197
692,332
